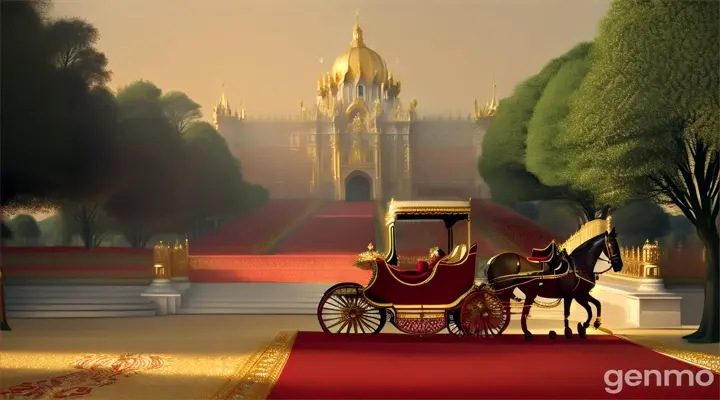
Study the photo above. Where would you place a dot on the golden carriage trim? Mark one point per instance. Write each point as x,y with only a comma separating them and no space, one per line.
256,378
366,258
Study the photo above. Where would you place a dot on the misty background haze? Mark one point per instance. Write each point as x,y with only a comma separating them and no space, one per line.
267,52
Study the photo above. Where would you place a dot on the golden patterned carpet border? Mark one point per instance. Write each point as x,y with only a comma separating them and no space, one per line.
255,379
710,362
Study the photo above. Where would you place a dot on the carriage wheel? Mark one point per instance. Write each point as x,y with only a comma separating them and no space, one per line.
344,310
453,322
482,313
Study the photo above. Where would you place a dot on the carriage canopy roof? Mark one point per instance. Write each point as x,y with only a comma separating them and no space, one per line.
428,209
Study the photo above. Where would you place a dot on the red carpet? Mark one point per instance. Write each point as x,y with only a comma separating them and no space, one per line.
252,233
445,367
337,228
278,268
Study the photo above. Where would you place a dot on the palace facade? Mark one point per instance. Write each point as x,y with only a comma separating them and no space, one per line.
359,141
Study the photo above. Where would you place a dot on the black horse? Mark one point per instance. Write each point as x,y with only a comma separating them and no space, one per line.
508,271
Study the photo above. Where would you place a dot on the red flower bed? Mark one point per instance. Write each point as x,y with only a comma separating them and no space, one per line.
252,233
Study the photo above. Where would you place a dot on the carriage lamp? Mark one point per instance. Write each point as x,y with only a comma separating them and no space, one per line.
160,271
651,259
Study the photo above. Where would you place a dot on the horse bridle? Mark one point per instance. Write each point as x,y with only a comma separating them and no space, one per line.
613,257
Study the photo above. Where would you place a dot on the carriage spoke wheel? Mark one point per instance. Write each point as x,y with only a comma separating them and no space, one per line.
453,322
482,313
344,310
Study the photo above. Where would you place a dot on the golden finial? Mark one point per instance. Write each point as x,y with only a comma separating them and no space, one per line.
494,101
357,32
609,224
223,103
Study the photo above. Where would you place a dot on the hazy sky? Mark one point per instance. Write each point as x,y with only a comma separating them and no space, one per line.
267,52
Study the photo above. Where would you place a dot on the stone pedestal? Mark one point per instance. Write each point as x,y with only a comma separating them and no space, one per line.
181,284
166,297
645,303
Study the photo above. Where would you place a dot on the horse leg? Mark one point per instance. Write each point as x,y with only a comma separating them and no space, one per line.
529,299
598,319
567,301
582,328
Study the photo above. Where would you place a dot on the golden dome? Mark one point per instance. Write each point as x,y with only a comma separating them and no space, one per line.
360,61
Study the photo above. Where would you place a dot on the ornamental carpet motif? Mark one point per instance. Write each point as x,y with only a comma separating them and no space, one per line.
93,371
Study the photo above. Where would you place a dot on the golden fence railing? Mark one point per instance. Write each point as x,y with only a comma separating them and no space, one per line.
651,261
171,261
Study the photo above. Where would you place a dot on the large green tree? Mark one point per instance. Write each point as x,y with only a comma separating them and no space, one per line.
227,193
25,230
151,181
502,164
72,44
646,120
58,121
544,158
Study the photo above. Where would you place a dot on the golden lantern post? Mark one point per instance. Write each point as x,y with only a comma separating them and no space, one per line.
650,260
161,291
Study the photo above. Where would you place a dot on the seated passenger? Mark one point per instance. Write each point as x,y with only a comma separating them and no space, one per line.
436,254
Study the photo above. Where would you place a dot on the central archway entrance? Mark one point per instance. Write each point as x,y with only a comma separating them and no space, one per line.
358,187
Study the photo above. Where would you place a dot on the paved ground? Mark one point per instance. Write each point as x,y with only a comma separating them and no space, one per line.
203,350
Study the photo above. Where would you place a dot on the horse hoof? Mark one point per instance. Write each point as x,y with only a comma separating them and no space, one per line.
581,330
528,336
568,333
596,325
552,335
586,325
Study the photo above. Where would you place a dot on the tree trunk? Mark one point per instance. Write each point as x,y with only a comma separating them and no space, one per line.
136,240
709,330
4,326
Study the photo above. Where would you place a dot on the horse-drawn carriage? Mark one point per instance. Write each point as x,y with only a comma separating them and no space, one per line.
441,293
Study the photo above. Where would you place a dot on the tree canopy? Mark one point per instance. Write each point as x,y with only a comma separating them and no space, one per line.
544,158
546,122
106,162
209,156
502,164
60,145
164,184
25,229
645,121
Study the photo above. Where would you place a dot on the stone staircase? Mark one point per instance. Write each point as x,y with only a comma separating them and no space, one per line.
253,298
77,301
